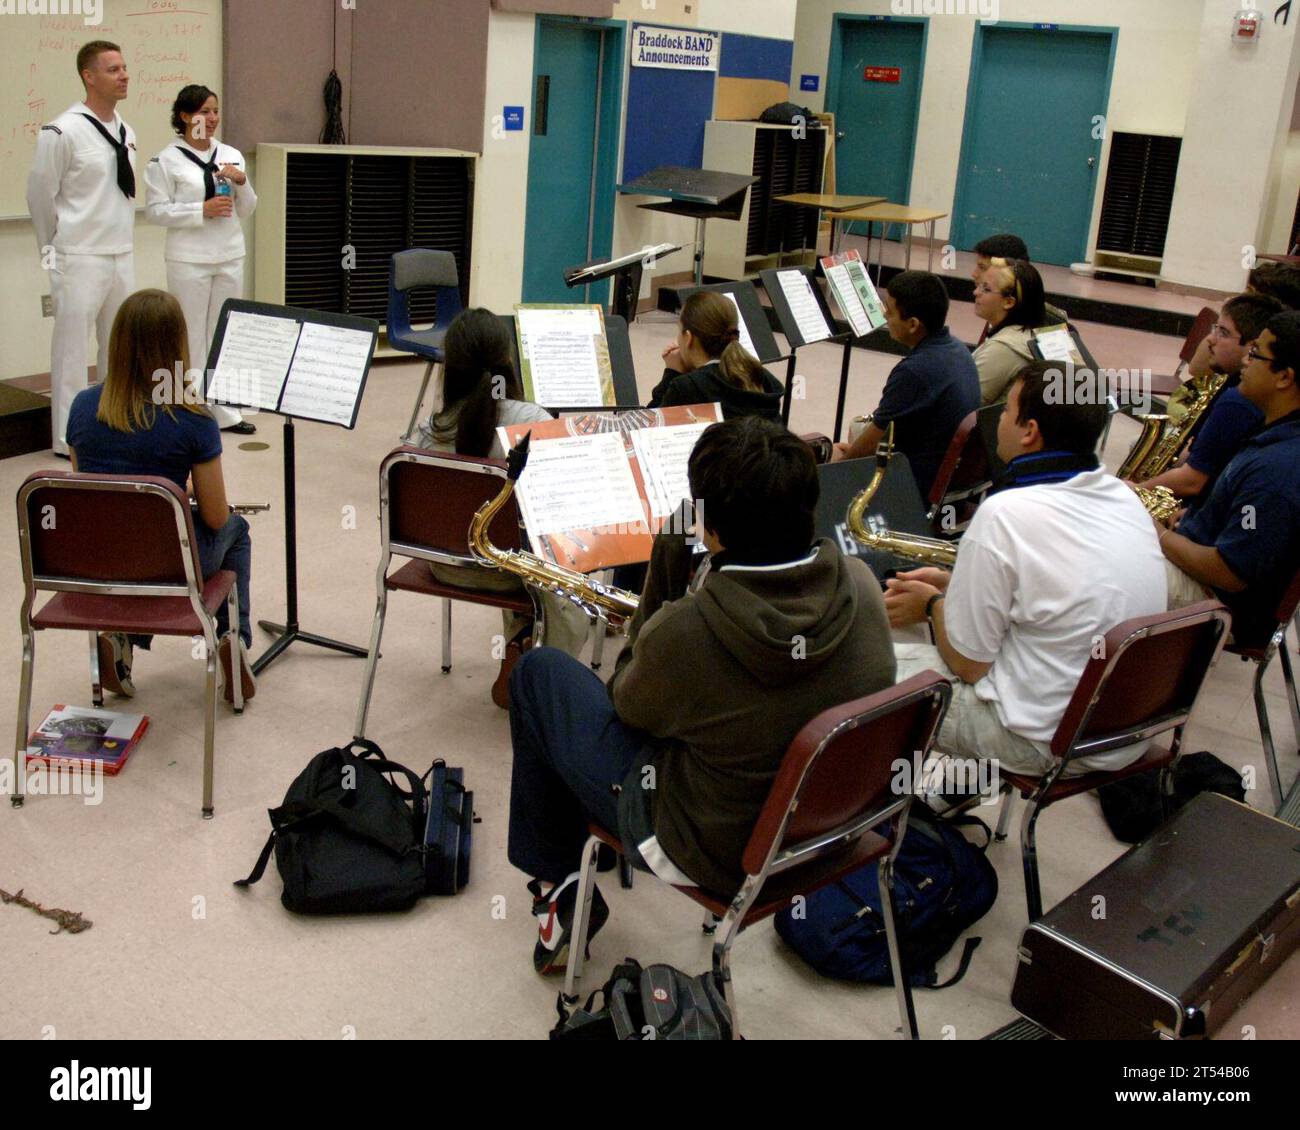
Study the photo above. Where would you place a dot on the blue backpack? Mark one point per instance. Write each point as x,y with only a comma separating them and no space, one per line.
943,884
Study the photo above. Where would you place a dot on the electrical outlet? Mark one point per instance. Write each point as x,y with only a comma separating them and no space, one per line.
47,306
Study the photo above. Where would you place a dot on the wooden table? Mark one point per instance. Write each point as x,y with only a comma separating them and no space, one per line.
886,214
833,203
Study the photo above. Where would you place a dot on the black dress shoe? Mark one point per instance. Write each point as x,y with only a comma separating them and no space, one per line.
243,428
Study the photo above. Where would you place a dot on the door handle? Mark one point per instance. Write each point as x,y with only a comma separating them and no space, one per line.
839,135
1092,162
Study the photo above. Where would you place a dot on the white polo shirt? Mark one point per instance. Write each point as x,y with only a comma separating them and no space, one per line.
174,186
1044,572
72,191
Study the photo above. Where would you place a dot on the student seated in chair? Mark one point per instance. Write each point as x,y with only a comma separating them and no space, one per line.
480,393
1057,555
707,362
140,421
1231,419
1242,545
717,676
1007,246
931,390
1269,279
1010,300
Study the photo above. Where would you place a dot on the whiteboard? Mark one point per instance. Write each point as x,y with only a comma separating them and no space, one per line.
166,44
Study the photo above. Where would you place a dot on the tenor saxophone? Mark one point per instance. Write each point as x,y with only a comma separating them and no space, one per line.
1164,435
930,551
614,605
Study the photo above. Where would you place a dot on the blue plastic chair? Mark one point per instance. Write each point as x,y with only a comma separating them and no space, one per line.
409,270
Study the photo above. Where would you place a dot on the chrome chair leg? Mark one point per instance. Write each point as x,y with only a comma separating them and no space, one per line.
236,651
24,715
722,976
372,663
1266,734
96,682
581,917
1293,702
1029,858
902,986
419,403
446,634
209,716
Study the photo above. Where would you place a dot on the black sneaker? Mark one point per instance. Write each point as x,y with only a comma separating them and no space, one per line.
115,655
554,913
243,428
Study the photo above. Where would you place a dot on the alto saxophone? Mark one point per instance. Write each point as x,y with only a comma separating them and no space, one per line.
930,551
1164,435
605,602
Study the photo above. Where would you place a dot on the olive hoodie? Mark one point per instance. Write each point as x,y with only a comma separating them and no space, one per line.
726,676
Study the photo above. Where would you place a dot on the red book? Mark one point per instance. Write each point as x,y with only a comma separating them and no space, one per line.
87,736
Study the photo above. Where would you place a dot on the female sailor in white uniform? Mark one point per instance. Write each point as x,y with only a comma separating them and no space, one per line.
199,191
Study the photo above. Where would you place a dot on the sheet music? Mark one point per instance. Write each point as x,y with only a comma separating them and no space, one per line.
808,317
327,372
559,348
861,281
664,454
848,299
746,341
1056,344
255,354
578,483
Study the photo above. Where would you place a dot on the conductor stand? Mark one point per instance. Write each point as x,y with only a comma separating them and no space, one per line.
701,194
626,271
290,632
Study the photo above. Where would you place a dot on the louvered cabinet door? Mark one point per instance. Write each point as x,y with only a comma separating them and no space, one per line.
315,231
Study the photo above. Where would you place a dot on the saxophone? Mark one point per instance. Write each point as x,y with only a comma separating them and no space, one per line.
1160,503
599,601
1164,435
930,551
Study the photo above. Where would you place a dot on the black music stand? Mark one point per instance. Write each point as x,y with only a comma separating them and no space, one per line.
701,194
896,505
794,335
291,631
626,270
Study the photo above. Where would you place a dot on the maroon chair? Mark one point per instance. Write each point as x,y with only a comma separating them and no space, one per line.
966,473
1289,806
1165,384
426,502
1144,683
833,789
119,555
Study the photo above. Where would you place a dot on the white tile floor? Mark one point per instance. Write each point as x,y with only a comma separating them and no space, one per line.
177,952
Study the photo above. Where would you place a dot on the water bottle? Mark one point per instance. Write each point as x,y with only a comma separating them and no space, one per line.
223,186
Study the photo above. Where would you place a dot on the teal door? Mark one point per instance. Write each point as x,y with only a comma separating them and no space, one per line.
1032,141
570,160
875,93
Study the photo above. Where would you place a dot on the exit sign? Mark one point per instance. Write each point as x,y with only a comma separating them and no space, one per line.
883,74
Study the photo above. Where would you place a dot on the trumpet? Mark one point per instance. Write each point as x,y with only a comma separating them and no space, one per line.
600,601
930,551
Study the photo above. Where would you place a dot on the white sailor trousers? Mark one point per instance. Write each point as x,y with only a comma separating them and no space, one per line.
202,289
86,291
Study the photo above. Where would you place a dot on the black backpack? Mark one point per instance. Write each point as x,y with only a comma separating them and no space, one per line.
349,838
1132,806
654,1003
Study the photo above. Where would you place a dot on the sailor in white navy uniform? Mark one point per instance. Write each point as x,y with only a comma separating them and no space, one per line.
205,241
81,195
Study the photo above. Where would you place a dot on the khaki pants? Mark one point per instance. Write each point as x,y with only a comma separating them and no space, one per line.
565,625
1183,590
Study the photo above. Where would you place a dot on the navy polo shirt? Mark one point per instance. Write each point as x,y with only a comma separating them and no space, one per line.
928,394
1230,422
170,448
1252,518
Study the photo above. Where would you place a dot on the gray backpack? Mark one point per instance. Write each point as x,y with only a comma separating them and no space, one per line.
654,1003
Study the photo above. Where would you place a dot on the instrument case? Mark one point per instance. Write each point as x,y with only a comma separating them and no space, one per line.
1167,941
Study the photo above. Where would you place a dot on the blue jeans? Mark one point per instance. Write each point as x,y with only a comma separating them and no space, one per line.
231,548
570,750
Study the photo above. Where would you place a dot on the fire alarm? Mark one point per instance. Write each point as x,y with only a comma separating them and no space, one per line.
1247,25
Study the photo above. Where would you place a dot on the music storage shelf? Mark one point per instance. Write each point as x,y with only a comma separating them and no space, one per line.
315,202
770,233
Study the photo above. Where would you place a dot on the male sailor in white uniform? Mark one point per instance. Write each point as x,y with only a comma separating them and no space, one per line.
81,195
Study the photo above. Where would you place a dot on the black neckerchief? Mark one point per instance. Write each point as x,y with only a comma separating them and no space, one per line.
125,174
1043,467
209,169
